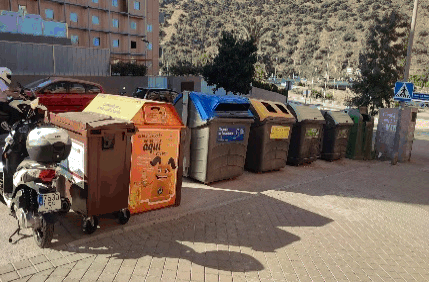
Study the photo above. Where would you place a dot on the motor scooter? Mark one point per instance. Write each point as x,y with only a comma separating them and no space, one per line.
35,149
24,93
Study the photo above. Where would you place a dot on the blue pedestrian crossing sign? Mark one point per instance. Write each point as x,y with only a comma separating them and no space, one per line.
403,91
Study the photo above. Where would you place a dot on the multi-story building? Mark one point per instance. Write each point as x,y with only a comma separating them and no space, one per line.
129,28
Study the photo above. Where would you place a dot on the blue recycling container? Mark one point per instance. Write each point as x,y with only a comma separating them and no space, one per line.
220,127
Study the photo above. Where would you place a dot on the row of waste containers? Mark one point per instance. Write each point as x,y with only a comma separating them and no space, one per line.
230,133
131,154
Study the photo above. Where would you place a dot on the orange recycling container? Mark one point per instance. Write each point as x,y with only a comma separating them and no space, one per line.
156,158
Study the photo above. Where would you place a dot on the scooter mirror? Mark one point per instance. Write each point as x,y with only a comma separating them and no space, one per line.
5,126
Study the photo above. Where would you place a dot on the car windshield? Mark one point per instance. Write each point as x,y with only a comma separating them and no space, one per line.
38,83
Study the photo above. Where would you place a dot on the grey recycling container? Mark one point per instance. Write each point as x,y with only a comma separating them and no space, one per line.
336,133
220,127
307,133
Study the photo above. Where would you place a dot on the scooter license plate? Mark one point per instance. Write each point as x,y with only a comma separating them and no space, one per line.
49,202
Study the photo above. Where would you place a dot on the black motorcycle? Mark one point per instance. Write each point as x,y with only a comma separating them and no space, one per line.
35,149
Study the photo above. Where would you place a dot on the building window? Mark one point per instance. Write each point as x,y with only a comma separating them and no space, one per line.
22,7
133,25
49,14
95,20
115,3
94,1
115,23
116,43
73,17
149,28
136,5
96,41
133,44
149,46
74,39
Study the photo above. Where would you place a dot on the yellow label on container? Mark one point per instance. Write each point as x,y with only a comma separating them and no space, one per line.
279,132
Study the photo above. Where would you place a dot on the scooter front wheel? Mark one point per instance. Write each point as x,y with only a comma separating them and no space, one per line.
44,234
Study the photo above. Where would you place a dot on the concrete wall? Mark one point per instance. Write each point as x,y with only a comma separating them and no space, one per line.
114,84
175,82
386,130
45,59
16,37
110,84
263,94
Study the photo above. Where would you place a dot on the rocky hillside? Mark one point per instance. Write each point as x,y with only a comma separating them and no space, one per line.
308,37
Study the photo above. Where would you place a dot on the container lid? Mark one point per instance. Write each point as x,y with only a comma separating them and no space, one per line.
212,106
139,111
79,121
302,113
265,109
354,113
339,117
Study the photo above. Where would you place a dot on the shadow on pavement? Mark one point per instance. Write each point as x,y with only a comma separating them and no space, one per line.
223,238
404,182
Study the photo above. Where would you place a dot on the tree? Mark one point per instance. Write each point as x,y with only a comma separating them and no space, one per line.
233,67
256,29
381,62
182,68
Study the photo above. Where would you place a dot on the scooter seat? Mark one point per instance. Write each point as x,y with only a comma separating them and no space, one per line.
29,164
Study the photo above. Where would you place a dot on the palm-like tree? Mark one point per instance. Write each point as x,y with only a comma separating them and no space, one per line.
254,28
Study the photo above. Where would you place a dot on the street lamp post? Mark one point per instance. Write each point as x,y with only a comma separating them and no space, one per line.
406,74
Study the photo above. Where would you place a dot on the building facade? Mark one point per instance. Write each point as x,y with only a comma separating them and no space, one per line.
129,28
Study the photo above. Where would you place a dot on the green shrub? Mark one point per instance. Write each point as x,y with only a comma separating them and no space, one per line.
128,69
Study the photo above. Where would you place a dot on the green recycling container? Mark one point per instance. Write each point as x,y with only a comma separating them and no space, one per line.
359,146
367,135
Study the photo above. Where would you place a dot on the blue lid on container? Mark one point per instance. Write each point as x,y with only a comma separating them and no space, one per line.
212,106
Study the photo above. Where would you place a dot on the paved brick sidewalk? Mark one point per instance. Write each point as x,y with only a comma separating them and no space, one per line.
365,224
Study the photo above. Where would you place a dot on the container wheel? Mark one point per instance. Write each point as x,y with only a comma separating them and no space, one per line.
123,216
65,206
89,224
43,235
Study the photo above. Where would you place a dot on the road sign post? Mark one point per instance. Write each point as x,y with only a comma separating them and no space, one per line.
406,73
403,93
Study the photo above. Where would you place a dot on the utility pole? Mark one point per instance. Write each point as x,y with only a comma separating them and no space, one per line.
406,74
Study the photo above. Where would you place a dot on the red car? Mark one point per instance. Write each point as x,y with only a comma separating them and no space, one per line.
61,94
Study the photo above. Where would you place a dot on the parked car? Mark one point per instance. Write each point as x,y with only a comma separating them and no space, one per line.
60,94
156,94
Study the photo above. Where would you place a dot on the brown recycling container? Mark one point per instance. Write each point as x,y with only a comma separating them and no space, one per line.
98,166
269,136
156,160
